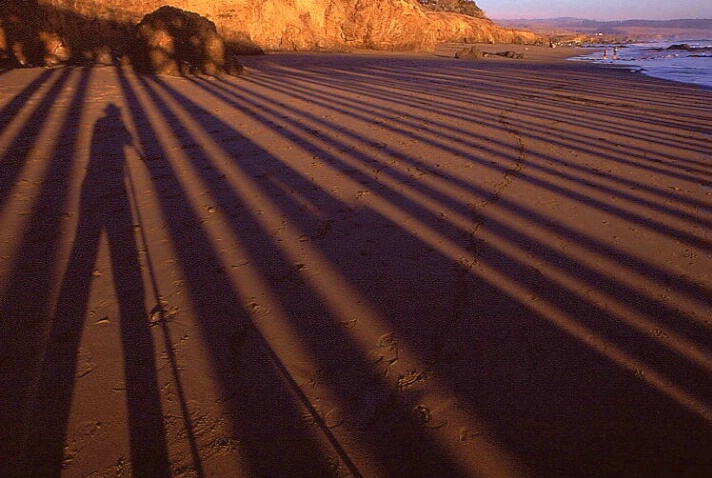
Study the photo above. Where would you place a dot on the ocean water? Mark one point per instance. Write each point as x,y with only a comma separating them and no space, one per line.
687,61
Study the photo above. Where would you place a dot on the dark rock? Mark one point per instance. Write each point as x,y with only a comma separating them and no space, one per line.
171,41
472,53
510,54
680,46
20,42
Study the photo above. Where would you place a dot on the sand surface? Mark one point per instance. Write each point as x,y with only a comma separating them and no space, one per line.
377,265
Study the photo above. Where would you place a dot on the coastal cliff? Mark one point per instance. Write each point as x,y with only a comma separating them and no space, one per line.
98,29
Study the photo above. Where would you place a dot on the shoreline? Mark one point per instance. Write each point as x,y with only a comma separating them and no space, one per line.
364,264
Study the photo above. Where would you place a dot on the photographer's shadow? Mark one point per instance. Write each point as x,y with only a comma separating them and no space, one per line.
104,209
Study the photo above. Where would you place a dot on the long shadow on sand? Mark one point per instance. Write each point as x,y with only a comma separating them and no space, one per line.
264,401
366,312
270,113
17,152
387,425
519,354
26,302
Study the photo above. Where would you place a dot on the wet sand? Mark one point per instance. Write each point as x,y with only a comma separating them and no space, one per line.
357,264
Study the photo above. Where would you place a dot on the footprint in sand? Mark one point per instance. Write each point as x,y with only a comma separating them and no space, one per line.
387,351
85,365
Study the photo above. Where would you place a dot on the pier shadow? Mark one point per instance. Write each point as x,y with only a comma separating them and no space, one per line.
299,252
16,154
268,411
239,349
518,345
26,297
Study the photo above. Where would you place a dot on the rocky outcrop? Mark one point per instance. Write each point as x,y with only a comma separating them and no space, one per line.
171,41
474,53
34,34
452,27
100,30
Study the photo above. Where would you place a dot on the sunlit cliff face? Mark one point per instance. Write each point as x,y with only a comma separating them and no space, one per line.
53,31
56,51
3,45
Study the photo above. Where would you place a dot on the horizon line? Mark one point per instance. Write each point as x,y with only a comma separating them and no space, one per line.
599,21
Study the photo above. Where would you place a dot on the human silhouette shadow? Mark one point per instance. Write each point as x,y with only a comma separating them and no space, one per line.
104,210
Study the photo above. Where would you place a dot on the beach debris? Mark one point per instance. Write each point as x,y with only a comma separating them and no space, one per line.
162,313
85,364
421,414
468,435
411,377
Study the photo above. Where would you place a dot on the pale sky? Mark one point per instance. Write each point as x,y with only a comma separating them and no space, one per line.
597,9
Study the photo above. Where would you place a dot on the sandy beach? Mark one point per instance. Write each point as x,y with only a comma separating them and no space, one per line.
356,265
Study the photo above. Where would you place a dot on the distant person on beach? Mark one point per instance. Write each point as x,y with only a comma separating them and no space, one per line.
615,52
605,53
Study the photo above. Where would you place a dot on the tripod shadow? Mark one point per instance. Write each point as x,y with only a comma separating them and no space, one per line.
104,209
